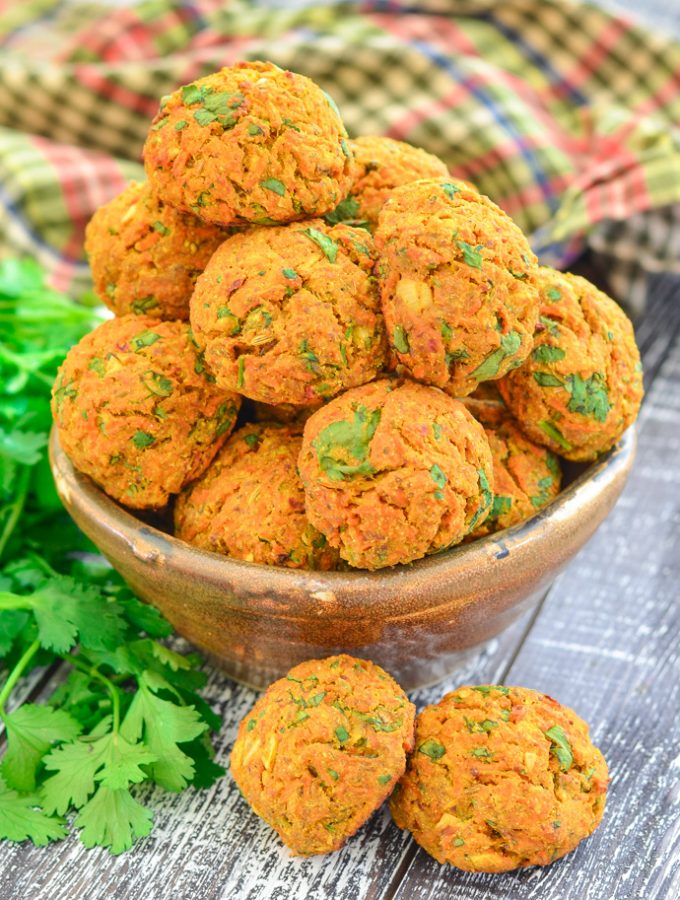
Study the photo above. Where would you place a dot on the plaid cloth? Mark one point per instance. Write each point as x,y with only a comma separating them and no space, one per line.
566,115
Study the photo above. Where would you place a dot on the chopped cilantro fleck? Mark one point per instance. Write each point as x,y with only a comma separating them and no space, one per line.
192,93
510,344
334,775
341,733
143,305
240,379
384,779
97,365
400,339
251,725
553,432
588,396
553,294
450,189
342,441
471,255
290,273
459,842
446,331
501,505
438,476
161,228
328,245
432,748
274,185
346,211
481,753
204,117
547,379
560,747
141,439
181,124
547,354
254,130
144,339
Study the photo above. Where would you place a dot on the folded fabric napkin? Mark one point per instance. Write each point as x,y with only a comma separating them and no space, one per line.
566,115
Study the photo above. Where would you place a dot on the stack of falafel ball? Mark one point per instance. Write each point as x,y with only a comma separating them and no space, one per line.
405,377
411,374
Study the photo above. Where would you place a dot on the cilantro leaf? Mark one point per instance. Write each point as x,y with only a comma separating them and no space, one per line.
346,211
510,344
164,726
113,818
21,819
31,731
66,610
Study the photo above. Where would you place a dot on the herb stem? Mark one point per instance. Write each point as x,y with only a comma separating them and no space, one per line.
16,507
113,691
17,672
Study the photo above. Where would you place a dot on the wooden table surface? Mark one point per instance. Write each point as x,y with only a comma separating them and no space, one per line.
604,641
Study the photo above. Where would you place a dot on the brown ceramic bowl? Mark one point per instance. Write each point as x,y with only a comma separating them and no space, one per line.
417,621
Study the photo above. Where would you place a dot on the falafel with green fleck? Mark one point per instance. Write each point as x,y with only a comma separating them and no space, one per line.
526,475
145,256
457,283
249,503
250,144
501,778
581,386
291,314
138,412
394,470
380,165
322,749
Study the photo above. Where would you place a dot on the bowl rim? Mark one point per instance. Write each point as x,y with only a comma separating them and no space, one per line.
84,499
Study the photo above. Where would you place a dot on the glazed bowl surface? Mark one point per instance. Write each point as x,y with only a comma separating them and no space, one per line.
418,621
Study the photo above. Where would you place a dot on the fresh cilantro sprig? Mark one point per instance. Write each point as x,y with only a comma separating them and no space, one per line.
127,710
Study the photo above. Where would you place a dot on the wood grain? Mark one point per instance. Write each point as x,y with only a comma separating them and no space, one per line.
606,643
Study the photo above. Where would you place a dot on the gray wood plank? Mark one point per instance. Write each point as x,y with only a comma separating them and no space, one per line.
207,844
606,643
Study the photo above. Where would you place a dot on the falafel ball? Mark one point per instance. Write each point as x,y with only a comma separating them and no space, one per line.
526,475
380,165
291,314
393,471
457,281
145,256
251,143
581,387
137,410
249,503
500,779
322,749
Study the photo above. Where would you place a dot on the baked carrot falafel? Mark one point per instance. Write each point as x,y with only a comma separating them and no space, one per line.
322,749
145,256
249,503
393,471
250,144
526,475
380,165
581,387
500,778
457,282
137,411
291,314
